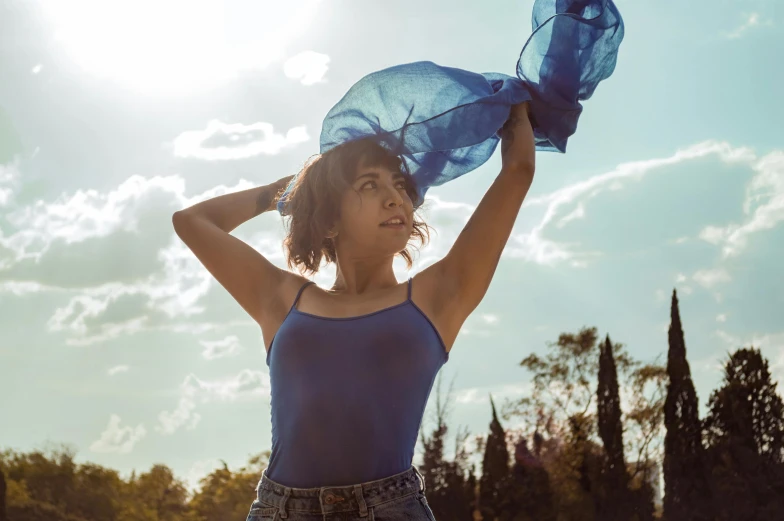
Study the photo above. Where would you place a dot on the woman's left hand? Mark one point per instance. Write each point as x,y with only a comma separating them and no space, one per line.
521,110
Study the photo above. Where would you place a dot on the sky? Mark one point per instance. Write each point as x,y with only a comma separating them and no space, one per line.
114,114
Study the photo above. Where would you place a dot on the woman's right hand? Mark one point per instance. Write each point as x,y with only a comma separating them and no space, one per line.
271,197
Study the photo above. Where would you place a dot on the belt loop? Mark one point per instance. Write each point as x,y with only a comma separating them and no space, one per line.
421,478
286,492
363,511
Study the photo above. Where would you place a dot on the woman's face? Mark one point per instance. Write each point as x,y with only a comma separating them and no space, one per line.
378,194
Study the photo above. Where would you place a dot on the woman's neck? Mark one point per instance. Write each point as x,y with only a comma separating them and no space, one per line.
364,279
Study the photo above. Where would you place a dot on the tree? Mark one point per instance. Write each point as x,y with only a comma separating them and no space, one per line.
493,484
744,432
156,495
532,496
450,493
46,486
224,494
747,411
617,504
564,383
3,516
644,420
97,492
563,408
686,493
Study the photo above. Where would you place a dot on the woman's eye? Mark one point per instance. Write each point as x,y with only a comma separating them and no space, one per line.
401,185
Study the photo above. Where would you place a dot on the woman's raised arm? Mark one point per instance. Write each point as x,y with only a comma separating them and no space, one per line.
466,271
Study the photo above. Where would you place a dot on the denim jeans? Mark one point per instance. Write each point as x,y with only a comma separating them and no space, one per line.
397,497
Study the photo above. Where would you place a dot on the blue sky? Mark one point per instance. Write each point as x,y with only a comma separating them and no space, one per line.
115,114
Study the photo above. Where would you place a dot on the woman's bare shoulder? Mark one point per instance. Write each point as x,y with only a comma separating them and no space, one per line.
287,290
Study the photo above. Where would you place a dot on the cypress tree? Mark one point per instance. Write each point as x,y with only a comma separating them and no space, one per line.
495,470
617,504
686,495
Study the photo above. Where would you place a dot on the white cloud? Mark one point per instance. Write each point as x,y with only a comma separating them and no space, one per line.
9,181
481,395
89,214
763,206
771,345
750,20
118,439
535,247
309,67
220,348
721,318
161,281
226,141
246,385
184,414
199,470
577,213
447,219
118,369
709,278
466,331
490,318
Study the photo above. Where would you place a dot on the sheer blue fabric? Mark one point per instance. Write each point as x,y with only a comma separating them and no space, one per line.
443,122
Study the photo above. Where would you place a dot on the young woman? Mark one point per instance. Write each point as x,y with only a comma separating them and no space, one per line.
352,366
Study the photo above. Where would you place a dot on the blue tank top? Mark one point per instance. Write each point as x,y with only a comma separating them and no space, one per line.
348,394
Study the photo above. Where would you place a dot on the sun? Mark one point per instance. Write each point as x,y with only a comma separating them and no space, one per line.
175,46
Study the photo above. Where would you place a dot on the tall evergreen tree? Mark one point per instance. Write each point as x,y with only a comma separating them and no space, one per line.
493,483
744,431
617,504
686,492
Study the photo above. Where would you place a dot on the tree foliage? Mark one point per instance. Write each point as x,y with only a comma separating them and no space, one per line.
686,492
450,485
744,432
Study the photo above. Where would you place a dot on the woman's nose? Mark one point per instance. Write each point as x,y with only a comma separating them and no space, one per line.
394,197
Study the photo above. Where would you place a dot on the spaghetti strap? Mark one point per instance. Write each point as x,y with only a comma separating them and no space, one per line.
296,299
409,288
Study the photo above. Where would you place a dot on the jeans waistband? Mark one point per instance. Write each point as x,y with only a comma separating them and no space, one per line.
325,500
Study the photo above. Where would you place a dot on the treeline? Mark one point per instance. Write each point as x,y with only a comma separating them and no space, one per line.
601,432
591,452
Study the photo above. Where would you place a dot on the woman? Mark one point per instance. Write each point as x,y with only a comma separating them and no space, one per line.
352,366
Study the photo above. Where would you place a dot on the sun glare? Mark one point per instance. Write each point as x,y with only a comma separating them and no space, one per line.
172,46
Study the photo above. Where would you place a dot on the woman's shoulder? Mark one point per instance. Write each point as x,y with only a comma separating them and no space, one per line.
291,284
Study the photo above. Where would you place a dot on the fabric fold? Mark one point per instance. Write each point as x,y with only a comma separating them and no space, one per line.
443,121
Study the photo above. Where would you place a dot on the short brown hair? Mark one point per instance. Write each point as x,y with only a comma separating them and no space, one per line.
313,203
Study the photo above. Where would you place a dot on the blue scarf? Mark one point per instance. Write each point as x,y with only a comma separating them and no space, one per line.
443,122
